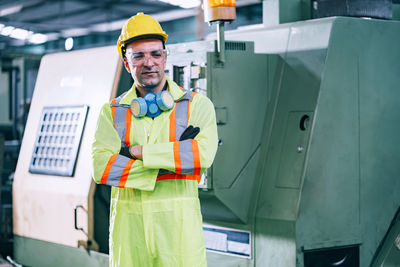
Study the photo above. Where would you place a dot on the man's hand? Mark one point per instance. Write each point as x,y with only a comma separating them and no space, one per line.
136,152
189,133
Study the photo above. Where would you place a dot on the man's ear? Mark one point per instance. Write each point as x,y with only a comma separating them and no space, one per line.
126,64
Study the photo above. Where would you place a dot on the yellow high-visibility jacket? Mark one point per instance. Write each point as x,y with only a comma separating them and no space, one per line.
155,217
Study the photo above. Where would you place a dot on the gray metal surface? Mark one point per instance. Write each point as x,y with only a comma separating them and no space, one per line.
37,253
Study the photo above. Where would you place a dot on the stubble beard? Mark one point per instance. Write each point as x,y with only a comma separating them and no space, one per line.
152,85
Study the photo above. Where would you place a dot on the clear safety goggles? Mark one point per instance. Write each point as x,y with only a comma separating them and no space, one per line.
138,57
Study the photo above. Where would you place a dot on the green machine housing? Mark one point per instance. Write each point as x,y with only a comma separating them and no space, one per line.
308,128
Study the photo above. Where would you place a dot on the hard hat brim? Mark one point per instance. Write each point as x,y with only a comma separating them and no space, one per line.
145,36
163,38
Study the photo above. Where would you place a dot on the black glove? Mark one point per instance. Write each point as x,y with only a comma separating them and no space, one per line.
125,152
189,133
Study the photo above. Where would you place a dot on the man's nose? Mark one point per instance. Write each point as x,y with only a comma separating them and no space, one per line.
148,60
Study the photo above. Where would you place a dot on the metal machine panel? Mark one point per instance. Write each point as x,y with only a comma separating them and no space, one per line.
195,66
295,97
293,149
240,88
44,204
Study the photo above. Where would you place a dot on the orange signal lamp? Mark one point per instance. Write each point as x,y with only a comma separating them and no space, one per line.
219,10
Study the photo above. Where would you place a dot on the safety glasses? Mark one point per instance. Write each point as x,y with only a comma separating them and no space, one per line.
138,57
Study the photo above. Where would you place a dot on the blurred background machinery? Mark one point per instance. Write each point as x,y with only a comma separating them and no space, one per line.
306,173
17,81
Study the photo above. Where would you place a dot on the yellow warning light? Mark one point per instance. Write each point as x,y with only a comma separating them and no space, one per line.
217,3
219,10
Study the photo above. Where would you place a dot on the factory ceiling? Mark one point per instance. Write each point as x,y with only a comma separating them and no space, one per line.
29,22
60,18
25,22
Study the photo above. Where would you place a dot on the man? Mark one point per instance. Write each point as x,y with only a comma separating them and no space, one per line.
154,162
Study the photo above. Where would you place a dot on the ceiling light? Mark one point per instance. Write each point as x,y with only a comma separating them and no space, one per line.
69,43
51,36
183,3
10,10
38,38
6,31
75,32
20,34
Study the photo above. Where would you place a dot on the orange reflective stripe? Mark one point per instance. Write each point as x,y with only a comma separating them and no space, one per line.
125,173
169,176
108,168
177,158
172,122
188,111
113,111
128,127
196,156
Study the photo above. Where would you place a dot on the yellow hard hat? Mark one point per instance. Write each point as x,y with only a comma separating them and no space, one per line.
137,26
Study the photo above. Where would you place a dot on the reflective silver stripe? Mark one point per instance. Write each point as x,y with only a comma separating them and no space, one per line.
186,155
181,114
181,121
120,122
116,170
120,118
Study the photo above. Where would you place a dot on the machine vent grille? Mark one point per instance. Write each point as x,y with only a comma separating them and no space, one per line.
239,46
58,140
352,8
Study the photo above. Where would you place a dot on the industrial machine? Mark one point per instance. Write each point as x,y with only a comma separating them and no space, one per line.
319,187
306,173
307,149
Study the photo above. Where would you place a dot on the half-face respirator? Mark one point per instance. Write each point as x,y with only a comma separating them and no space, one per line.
151,104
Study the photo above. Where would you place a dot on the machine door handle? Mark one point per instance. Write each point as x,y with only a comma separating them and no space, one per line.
76,217
87,244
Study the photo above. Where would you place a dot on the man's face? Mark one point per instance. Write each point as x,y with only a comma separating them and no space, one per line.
146,60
